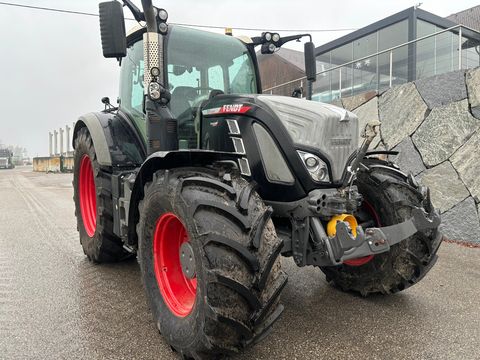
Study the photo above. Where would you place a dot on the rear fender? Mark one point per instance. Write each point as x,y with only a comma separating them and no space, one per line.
116,141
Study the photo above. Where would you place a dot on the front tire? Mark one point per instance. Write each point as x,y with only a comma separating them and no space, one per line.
233,298
392,197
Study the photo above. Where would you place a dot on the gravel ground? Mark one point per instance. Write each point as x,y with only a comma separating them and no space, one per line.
54,304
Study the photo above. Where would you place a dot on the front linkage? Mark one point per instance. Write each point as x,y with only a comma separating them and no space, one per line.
344,246
309,244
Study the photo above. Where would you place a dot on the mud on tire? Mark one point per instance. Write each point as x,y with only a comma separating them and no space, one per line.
103,245
392,196
236,251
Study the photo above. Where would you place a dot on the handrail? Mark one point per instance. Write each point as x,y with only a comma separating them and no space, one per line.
375,54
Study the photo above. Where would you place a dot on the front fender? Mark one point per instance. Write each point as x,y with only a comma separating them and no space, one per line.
162,160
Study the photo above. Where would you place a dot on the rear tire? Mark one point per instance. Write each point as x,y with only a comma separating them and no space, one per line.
236,253
94,195
392,196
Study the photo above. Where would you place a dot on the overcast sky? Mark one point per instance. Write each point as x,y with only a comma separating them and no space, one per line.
53,70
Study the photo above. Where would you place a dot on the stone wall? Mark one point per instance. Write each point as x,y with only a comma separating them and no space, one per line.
435,125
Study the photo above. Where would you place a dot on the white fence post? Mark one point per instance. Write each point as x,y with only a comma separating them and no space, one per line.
340,83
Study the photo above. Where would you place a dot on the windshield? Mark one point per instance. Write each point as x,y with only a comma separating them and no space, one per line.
201,61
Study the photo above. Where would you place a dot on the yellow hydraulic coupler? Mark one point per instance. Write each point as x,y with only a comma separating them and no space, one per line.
350,219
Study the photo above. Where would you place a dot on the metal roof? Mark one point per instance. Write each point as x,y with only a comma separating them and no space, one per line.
469,17
411,14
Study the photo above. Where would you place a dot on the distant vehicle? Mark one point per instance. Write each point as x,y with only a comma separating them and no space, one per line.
6,159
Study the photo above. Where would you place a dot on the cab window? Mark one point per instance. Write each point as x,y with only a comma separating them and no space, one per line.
131,86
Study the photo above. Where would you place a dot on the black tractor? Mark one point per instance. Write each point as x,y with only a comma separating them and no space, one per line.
208,182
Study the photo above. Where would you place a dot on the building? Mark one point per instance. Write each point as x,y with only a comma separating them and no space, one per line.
469,17
403,47
282,67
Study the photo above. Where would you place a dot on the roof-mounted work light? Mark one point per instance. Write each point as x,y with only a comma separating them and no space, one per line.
162,17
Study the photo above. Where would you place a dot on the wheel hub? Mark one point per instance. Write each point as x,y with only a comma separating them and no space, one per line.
187,260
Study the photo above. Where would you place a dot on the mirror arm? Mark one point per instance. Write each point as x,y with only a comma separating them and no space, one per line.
137,13
257,40
149,14
286,39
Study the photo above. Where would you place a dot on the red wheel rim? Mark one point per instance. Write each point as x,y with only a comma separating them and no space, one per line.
365,259
88,196
178,291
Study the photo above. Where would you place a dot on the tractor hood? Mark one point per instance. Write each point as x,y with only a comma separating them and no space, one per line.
330,129
326,131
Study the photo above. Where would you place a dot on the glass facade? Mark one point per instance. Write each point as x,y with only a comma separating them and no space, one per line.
364,72
366,63
438,54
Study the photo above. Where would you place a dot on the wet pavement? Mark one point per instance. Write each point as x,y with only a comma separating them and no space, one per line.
54,304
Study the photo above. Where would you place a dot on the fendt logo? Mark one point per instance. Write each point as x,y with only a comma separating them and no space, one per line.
231,108
227,109
340,141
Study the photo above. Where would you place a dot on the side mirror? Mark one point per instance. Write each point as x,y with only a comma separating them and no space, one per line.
297,92
112,30
310,61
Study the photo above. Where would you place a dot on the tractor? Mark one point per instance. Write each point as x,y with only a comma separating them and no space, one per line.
207,181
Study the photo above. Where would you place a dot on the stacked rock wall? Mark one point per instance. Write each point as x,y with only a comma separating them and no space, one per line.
435,125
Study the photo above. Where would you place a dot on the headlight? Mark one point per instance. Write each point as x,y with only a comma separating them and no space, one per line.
267,36
316,167
154,90
275,37
272,47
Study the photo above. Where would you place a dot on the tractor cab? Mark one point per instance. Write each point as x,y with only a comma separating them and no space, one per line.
194,72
